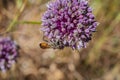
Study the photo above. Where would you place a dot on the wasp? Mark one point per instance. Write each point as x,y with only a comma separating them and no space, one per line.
55,44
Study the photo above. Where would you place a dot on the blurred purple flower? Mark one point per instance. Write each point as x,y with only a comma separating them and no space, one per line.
68,23
8,53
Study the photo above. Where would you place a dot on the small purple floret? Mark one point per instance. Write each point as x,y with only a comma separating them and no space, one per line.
69,22
8,53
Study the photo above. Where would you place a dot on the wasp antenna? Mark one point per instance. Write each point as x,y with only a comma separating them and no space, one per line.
45,39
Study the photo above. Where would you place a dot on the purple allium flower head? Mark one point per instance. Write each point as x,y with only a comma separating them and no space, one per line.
8,53
69,23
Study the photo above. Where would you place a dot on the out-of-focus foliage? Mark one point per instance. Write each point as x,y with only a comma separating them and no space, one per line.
99,61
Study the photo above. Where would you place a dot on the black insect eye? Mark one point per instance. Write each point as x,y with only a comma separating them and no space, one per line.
58,43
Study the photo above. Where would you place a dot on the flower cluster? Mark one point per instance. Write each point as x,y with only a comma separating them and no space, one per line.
8,53
69,23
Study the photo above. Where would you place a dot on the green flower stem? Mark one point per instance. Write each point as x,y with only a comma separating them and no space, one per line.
28,22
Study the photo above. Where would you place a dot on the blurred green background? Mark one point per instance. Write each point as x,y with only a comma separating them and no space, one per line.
99,61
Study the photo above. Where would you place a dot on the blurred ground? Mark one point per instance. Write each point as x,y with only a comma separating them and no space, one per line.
99,61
